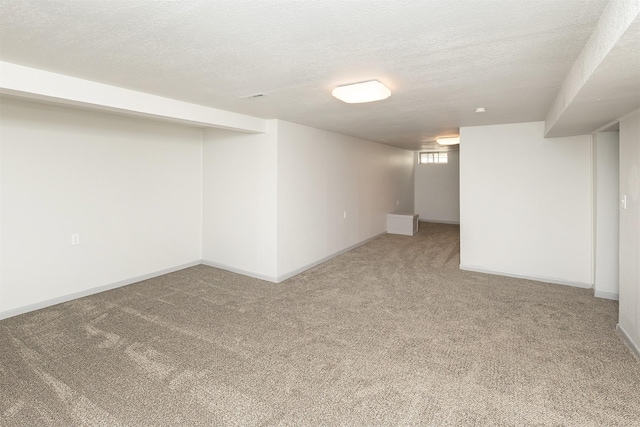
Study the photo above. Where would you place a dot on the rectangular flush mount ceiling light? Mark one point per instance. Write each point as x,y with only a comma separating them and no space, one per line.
450,140
357,93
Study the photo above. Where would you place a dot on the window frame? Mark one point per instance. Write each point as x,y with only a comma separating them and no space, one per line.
436,157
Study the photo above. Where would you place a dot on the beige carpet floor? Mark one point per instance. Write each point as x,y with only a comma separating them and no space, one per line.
391,333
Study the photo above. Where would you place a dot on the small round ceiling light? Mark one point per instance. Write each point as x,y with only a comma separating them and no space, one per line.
449,140
480,110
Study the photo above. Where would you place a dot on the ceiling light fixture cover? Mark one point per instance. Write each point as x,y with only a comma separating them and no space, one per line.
358,93
480,110
449,140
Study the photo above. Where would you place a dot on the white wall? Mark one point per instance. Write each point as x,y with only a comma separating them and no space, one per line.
322,175
606,220
240,201
437,190
149,197
629,317
131,188
525,203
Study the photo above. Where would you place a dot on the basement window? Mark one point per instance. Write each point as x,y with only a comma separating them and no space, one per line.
433,157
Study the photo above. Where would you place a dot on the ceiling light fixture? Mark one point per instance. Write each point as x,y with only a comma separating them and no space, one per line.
357,93
449,140
480,110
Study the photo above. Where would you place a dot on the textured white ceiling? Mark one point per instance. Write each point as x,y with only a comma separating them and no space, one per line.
440,58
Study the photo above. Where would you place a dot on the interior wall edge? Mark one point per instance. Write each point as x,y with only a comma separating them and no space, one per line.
288,275
84,293
551,280
606,295
437,221
247,273
627,339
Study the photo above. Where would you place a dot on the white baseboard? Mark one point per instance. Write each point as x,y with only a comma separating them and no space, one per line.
606,295
53,301
627,338
438,221
240,271
48,303
292,273
522,276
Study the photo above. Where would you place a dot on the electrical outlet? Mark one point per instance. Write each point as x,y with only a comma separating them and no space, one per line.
75,239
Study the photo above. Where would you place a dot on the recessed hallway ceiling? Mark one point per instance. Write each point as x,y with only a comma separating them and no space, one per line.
441,59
